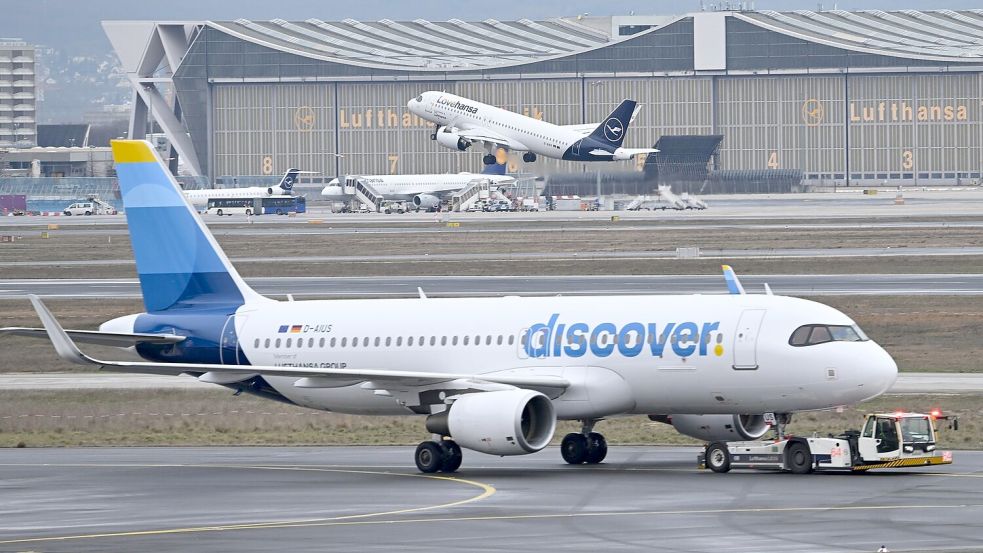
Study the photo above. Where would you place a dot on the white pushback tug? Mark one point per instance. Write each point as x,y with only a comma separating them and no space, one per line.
888,440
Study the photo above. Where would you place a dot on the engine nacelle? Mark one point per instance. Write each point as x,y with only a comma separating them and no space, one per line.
269,191
426,201
333,191
506,422
452,140
714,428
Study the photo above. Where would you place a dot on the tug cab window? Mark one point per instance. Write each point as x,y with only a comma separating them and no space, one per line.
810,335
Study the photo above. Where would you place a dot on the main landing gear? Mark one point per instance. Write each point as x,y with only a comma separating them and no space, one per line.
529,157
438,456
584,447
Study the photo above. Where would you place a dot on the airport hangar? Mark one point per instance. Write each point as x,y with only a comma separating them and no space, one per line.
848,98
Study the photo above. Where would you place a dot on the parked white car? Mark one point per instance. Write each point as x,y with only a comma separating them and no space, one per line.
80,208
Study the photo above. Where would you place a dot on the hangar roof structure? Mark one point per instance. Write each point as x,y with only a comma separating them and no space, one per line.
187,56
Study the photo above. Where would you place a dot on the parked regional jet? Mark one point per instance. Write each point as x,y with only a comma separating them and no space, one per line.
461,122
488,374
199,198
424,191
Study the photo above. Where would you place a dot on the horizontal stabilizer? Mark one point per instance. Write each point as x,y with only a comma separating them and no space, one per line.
98,338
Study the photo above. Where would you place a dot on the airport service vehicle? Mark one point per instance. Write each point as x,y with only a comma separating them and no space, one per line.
888,440
460,122
92,206
200,198
488,374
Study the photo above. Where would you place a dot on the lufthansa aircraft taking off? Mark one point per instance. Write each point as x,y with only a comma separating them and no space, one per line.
488,374
461,122
199,198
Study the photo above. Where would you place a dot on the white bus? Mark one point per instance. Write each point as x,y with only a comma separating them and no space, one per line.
232,206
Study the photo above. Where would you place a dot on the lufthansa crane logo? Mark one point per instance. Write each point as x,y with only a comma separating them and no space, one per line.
304,118
812,112
613,129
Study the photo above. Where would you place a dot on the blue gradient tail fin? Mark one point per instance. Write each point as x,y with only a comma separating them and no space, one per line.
179,263
288,180
614,128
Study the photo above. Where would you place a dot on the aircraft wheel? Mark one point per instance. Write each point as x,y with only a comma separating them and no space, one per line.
452,456
249,212
718,457
429,457
597,448
799,458
573,448
488,159
529,157
218,212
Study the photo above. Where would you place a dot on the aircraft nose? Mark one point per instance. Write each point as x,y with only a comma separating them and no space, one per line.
882,371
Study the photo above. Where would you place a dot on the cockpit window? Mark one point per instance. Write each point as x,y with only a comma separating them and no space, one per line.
810,335
419,98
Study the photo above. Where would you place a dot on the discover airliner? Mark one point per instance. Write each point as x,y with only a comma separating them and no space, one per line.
424,191
461,122
199,198
488,374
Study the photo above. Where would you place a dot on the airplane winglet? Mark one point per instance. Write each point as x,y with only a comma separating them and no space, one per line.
768,290
734,285
420,291
63,343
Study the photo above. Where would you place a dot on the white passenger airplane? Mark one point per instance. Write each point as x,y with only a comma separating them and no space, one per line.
425,191
199,198
461,122
488,374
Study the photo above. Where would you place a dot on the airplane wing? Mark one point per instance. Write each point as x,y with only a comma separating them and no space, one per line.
115,339
479,134
309,376
630,152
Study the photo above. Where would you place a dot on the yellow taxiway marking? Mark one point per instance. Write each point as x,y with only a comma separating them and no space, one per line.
486,491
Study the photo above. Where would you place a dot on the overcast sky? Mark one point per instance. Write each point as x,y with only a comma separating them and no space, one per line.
70,24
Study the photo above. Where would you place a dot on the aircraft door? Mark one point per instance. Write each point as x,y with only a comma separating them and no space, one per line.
229,351
746,339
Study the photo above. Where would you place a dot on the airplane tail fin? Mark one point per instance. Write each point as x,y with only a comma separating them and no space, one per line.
179,263
288,180
614,128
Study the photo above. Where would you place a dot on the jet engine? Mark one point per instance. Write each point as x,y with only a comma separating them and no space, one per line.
452,140
425,201
269,191
713,428
505,422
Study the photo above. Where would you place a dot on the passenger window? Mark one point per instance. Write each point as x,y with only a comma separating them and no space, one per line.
443,340
320,343
376,341
467,340
454,341
355,342
334,341
256,343
409,341
389,341
344,342
278,343
499,339
511,339
289,342
310,342
267,344
433,340
488,340
399,341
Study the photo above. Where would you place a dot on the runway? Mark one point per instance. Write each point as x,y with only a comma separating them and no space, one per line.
372,499
705,253
793,285
907,383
